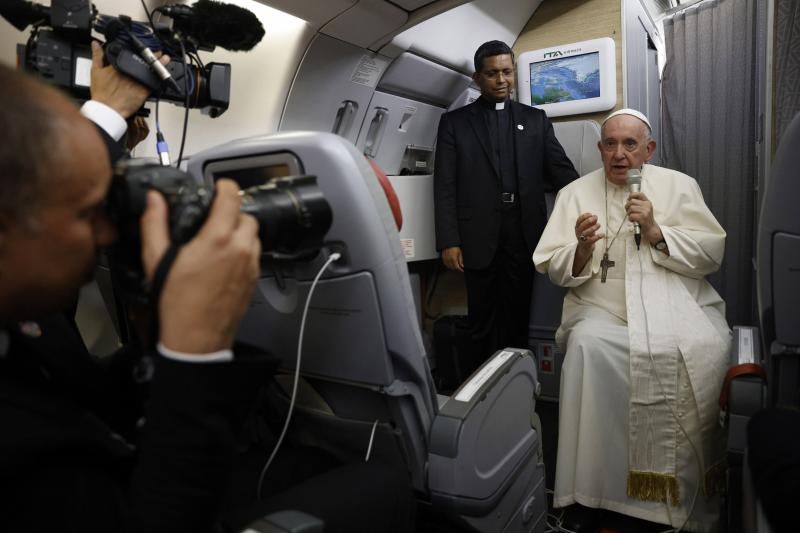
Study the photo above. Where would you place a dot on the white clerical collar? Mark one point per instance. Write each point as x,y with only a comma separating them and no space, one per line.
499,106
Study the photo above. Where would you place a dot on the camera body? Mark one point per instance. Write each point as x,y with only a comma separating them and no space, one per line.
292,213
58,52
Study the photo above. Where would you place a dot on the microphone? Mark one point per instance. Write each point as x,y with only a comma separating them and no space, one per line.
213,23
116,28
22,14
634,182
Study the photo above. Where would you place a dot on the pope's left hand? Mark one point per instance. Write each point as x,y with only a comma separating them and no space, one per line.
640,209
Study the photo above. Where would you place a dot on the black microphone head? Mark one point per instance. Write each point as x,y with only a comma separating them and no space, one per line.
21,14
634,179
111,28
217,24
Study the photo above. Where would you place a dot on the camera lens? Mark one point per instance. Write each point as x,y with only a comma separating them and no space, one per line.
292,213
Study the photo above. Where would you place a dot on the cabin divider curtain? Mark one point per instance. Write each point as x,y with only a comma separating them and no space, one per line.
709,128
787,64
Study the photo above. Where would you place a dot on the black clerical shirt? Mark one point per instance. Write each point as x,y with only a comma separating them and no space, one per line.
501,136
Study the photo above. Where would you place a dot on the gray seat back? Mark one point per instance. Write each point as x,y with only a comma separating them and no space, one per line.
778,257
362,343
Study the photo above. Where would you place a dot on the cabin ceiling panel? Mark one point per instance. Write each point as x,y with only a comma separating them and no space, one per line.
452,37
312,11
366,22
411,5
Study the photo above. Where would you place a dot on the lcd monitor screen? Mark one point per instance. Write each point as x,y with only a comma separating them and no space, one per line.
565,79
253,176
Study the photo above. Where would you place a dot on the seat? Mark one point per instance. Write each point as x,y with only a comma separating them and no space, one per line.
579,139
772,465
366,391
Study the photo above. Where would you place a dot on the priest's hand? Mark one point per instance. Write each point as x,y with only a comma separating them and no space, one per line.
640,209
453,258
587,232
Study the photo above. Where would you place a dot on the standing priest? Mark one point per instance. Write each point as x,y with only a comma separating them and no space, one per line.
644,334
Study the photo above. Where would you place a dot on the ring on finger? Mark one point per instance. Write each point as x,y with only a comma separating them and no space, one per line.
582,237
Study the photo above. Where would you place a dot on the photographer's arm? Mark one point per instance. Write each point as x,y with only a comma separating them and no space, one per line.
196,410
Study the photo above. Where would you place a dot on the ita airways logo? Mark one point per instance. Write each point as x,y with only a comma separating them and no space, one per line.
559,53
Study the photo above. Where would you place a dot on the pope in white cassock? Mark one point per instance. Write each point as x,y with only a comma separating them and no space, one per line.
644,335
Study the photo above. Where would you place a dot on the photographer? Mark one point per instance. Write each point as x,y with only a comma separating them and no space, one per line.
67,458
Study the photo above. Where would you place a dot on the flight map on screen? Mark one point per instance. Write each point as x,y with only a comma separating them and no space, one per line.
565,79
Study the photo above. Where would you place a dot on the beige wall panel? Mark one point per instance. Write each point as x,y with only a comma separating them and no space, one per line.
559,22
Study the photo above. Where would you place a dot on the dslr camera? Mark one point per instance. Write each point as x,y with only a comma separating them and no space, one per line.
292,214
58,49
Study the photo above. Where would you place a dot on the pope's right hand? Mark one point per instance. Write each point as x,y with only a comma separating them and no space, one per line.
587,231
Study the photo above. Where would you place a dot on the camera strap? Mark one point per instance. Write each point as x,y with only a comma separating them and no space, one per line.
156,286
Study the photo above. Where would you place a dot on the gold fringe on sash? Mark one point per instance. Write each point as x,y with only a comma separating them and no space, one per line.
653,487
715,479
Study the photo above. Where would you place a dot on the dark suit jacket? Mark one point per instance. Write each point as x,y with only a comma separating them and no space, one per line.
467,186
71,458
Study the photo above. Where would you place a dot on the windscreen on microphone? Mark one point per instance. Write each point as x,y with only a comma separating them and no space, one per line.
634,180
22,14
217,24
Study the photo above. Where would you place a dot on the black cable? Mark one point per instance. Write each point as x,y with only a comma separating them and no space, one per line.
185,102
196,57
149,16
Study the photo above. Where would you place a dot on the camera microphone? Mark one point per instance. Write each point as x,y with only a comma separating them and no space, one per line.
213,23
117,27
22,14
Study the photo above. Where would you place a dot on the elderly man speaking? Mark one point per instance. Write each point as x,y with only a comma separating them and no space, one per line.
644,334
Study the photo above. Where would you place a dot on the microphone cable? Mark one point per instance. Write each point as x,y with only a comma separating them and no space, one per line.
186,74
333,257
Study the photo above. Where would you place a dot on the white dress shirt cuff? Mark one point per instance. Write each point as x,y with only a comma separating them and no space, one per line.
105,117
222,356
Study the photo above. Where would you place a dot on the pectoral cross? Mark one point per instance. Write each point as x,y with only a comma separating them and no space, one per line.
605,264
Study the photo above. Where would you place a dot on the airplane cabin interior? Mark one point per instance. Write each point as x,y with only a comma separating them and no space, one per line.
351,92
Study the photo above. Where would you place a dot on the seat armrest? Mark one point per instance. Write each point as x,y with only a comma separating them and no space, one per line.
485,442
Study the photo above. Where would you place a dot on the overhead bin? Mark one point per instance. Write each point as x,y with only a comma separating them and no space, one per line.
314,12
477,22
421,79
366,22
332,89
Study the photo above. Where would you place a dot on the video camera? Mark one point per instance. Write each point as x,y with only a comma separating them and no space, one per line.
59,52
292,213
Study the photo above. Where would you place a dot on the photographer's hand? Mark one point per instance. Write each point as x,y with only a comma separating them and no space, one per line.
113,88
209,285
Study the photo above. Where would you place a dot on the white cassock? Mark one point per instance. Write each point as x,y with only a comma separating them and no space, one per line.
639,434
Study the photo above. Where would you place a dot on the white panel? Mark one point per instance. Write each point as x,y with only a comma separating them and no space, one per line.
407,122
313,11
416,203
332,72
366,22
453,36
